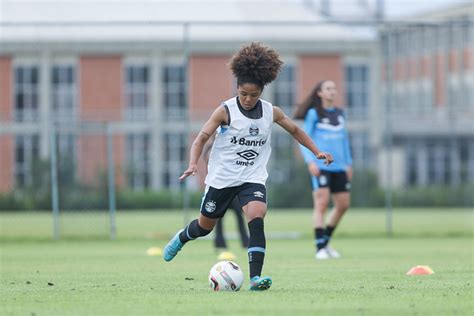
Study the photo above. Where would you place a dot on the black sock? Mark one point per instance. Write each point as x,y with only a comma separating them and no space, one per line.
328,233
257,246
319,238
192,231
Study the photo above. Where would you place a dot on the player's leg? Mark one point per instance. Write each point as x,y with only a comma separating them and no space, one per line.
213,207
340,188
342,201
244,238
320,204
219,240
253,199
199,227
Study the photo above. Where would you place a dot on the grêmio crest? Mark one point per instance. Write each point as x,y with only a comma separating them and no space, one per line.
253,130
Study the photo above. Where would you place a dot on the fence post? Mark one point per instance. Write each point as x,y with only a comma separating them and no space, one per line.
54,182
184,186
388,53
111,181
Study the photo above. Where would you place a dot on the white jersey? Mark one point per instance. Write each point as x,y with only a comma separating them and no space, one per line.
241,149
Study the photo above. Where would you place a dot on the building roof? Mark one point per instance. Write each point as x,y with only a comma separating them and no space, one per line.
155,20
449,12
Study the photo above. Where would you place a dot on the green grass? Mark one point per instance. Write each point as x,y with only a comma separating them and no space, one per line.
102,277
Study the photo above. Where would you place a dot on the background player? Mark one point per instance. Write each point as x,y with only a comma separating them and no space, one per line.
325,124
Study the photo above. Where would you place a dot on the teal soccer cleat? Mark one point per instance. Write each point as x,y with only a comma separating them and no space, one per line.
260,283
173,247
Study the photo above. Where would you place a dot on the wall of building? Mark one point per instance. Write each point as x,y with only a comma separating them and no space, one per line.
314,68
100,100
6,141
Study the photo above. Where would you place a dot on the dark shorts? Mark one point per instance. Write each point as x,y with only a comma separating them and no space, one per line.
335,181
216,201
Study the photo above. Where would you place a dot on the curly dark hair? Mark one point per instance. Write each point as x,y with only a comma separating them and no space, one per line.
256,64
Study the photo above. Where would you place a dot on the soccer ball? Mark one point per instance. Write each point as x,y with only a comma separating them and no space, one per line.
226,276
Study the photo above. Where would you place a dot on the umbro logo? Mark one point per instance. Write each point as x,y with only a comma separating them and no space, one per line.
248,154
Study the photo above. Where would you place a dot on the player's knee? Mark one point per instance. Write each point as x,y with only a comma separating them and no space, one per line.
207,223
343,206
196,230
322,205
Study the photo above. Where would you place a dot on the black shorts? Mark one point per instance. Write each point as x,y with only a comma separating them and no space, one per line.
216,201
335,181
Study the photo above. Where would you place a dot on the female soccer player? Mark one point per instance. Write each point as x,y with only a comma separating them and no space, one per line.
239,156
326,125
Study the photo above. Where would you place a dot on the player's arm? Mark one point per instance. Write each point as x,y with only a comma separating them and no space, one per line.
217,118
284,121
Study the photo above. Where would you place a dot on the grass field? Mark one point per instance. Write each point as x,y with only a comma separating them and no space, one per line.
96,276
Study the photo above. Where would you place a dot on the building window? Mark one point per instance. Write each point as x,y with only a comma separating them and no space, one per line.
284,88
66,155
427,95
26,93
63,85
26,155
468,93
359,143
175,159
455,98
174,83
137,90
439,162
411,163
357,86
138,161
466,157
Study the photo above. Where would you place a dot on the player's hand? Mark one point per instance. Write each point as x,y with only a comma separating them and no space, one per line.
313,169
191,171
326,156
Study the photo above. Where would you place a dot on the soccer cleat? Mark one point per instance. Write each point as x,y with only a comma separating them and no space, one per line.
323,254
172,248
333,253
260,283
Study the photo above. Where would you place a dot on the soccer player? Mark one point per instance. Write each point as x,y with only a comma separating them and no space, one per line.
325,123
239,156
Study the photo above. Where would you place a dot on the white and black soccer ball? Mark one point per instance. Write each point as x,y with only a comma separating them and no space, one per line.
226,276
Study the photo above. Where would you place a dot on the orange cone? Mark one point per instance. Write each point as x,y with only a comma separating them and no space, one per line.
420,270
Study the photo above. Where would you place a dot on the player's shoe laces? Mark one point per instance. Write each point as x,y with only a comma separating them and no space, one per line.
172,248
260,283
323,254
333,253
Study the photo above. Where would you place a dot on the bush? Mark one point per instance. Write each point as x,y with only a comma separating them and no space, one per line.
297,192
94,200
366,192
435,196
156,200
8,201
